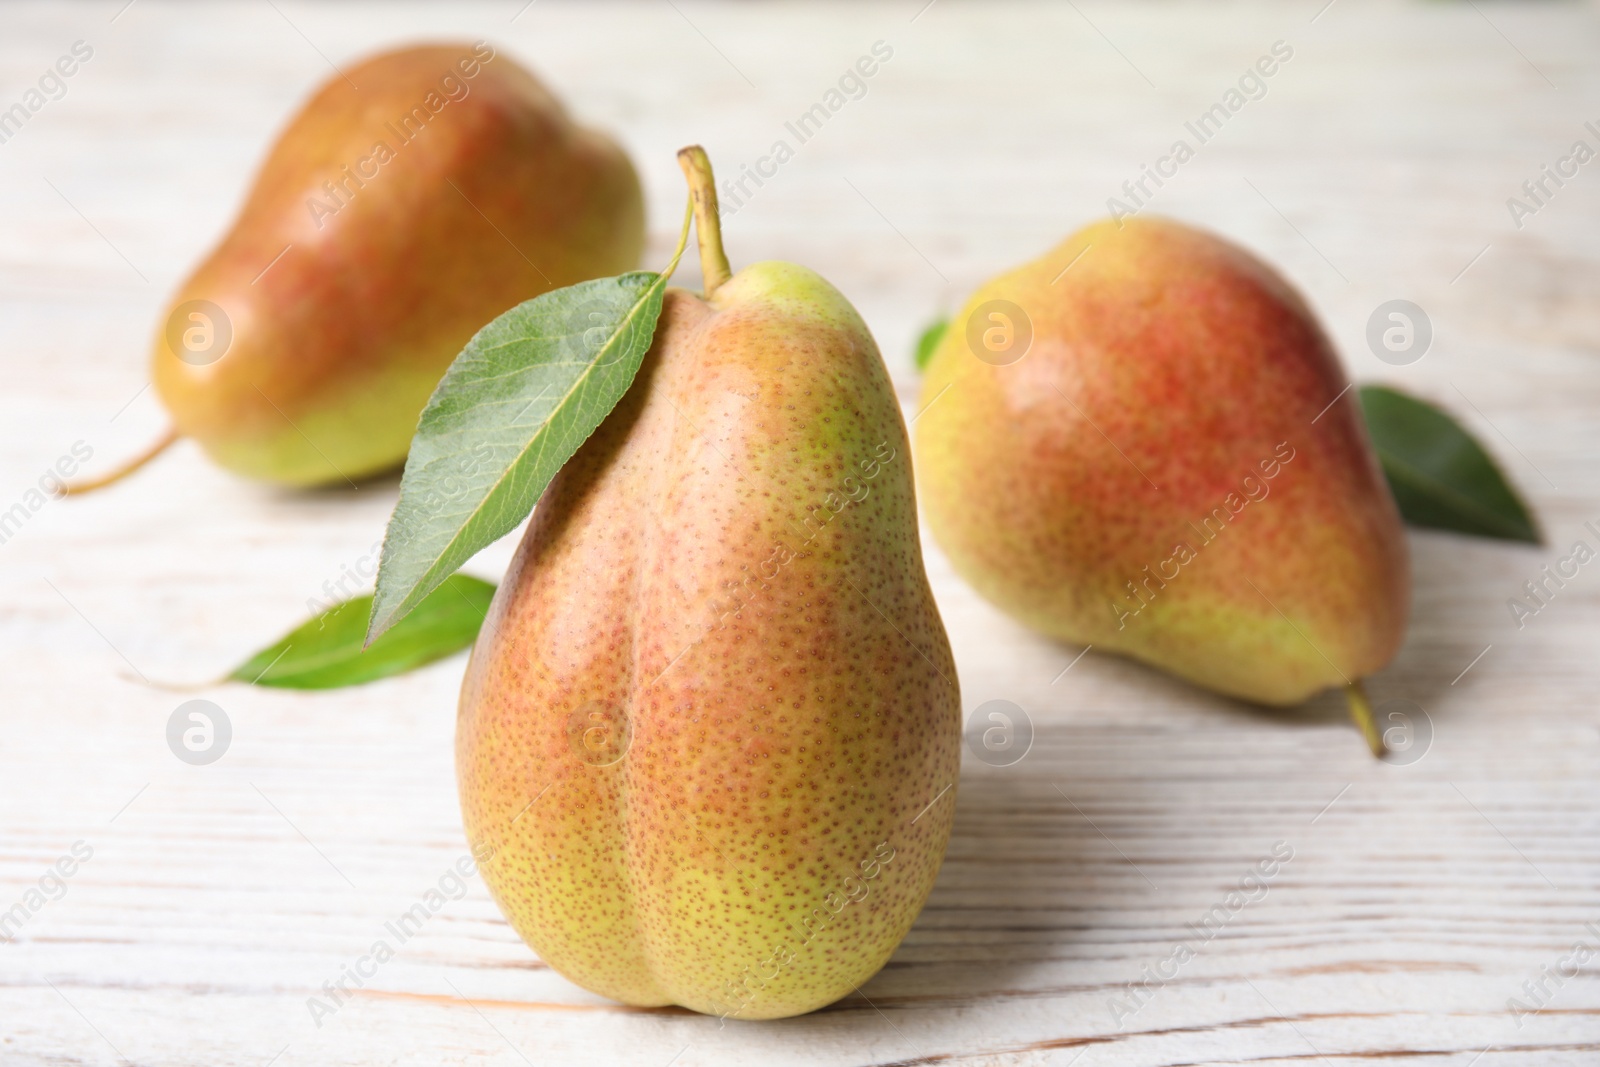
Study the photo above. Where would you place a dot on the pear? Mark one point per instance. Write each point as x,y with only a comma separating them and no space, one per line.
1143,441
710,730
415,197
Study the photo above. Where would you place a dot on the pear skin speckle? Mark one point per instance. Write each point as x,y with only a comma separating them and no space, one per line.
1171,470
711,728
361,263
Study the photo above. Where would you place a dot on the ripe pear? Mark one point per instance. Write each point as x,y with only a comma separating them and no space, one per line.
415,197
1143,441
710,730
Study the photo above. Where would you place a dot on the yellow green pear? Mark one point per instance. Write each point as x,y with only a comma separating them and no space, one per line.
711,727
1143,441
413,198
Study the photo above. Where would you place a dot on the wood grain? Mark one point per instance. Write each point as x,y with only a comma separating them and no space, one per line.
1418,899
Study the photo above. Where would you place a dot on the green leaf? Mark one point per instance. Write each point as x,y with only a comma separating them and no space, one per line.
1440,476
511,410
929,341
326,652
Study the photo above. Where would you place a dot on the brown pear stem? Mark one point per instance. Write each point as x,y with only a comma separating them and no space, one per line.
1361,711
164,443
707,222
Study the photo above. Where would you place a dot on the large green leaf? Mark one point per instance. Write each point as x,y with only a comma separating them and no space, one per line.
513,407
325,652
1440,476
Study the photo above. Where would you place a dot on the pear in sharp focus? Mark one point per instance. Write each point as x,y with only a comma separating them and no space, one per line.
414,198
1142,441
711,728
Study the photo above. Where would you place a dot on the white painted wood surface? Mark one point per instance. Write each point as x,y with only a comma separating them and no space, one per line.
1419,898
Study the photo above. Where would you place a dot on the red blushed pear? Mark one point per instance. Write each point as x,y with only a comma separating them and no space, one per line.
1142,441
413,198
711,729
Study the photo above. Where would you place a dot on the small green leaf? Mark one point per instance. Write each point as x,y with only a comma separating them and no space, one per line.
326,652
929,341
511,410
1440,476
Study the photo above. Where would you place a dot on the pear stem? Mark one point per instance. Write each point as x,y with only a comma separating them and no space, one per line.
707,222
1361,711
89,486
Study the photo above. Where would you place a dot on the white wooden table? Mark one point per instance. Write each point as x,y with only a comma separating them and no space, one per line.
1419,898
